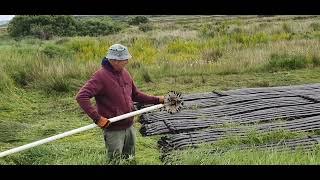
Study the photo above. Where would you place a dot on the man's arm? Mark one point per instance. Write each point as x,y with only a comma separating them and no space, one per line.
89,90
141,97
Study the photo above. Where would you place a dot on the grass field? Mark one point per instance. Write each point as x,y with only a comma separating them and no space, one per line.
39,81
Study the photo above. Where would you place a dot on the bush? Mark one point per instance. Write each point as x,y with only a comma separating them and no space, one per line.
87,47
138,20
146,75
52,51
211,55
19,26
250,40
315,60
23,76
286,28
96,27
58,84
62,40
45,27
145,27
286,62
144,50
315,26
281,36
207,30
210,30
183,46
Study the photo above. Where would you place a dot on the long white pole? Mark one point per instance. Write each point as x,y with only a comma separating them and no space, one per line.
68,133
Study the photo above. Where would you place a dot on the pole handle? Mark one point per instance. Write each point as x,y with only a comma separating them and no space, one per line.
78,130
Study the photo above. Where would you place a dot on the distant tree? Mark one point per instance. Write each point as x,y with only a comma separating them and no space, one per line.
96,27
46,26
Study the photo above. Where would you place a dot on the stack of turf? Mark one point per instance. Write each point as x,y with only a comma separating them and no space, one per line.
206,116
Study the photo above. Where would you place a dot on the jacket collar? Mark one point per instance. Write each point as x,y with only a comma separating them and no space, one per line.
107,65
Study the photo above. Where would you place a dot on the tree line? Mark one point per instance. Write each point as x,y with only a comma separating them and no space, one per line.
48,26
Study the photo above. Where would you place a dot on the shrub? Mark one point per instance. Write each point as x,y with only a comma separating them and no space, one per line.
315,60
138,20
45,26
59,84
87,47
211,55
96,27
146,75
286,62
183,46
235,30
21,78
281,36
56,84
210,30
144,51
207,30
53,51
286,28
315,26
62,40
249,40
19,26
145,27
23,75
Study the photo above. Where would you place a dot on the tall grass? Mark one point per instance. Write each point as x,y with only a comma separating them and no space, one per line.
54,65
249,39
56,72
58,68
144,51
88,48
6,82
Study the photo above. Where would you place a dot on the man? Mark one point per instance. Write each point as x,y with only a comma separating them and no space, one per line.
114,92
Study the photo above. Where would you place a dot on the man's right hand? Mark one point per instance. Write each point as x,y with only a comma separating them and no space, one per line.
103,122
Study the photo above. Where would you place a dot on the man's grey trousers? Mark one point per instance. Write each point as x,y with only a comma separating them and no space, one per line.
120,142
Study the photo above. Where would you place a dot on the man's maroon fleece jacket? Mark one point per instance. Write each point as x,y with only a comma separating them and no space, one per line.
114,93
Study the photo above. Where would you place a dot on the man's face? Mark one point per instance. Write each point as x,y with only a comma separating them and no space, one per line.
118,65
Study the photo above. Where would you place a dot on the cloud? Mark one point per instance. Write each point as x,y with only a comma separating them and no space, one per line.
6,17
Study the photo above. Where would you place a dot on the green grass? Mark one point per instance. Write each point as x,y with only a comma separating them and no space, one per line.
30,116
227,151
252,156
39,81
290,62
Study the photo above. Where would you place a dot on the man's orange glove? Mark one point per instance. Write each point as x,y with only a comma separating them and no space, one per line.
161,99
103,122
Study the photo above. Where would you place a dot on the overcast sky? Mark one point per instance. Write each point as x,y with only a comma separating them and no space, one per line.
6,17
